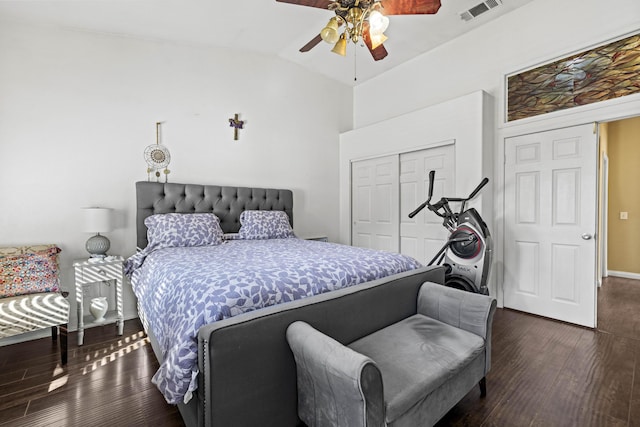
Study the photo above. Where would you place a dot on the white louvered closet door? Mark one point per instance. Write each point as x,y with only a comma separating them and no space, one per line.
374,203
422,236
385,189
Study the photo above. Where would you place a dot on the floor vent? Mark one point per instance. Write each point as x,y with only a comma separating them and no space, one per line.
479,9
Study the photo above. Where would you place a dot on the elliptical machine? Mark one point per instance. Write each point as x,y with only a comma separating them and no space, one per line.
468,252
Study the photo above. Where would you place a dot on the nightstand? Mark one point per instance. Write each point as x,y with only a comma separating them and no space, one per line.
318,239
95,271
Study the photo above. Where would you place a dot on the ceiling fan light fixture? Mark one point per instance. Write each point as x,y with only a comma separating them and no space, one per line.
341,46
330,33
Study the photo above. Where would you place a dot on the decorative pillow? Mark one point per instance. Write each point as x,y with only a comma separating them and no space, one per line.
265,225
34,270
173,230
17,250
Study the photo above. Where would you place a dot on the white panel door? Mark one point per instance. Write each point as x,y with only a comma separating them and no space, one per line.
374,205
422,236
550,224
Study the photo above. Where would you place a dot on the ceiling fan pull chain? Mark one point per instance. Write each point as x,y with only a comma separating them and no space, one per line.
355,66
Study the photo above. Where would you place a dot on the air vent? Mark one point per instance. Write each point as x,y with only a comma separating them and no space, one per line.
479,9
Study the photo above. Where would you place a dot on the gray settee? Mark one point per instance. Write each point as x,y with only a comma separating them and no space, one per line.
247,370
408,373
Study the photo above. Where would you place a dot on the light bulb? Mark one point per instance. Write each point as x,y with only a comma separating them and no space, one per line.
378,23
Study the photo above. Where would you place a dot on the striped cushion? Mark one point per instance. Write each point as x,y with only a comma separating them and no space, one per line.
31,312
18,250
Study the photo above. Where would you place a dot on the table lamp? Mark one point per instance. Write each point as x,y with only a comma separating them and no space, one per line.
97,220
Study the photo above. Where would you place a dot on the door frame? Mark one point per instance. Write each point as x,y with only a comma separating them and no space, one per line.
604,218
606,111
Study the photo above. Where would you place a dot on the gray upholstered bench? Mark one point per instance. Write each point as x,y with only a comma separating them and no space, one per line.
409,373
30,295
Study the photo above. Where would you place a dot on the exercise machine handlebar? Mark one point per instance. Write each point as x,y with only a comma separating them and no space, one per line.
432,175
443,203
478,188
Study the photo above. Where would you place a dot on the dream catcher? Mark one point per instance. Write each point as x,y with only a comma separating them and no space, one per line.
157,157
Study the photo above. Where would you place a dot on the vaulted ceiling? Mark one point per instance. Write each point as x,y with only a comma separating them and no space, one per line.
263,26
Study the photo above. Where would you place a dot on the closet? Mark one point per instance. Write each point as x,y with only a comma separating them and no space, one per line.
385,189
383,173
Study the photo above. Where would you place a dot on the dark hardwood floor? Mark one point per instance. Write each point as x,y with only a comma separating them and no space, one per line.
548,373
107,382
544,373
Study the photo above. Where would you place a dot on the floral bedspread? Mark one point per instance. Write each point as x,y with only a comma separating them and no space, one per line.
181,289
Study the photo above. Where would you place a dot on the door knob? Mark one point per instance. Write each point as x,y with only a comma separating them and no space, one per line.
587,236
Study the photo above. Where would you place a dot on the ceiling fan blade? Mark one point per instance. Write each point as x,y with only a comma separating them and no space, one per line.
313,43
410,7
379,52
321,4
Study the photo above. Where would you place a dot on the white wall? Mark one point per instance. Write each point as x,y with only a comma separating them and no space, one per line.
78,109
538,32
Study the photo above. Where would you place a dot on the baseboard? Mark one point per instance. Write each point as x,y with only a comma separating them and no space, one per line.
46,332
624,274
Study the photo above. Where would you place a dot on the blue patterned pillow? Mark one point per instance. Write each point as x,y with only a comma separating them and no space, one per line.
183,230
265,225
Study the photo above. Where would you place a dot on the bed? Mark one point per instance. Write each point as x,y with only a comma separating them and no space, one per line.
185,288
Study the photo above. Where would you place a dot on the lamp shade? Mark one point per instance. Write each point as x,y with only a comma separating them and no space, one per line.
377,40
330,33
97,220
341,46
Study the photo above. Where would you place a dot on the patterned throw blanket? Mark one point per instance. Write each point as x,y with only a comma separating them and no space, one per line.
181,289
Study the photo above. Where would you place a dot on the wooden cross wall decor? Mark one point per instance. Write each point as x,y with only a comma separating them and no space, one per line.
236,124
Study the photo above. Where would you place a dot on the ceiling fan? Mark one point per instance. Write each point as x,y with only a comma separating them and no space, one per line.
364,20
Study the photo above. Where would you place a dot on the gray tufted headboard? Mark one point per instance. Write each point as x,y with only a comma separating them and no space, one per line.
226,202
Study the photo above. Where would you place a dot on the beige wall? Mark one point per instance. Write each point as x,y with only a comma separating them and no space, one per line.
624,195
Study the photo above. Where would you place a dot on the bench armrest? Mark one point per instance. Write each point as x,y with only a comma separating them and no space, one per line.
462,309
337,386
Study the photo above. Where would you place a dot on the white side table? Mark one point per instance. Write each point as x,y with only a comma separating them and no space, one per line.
318,239
95,271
